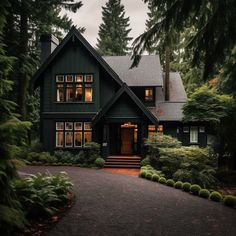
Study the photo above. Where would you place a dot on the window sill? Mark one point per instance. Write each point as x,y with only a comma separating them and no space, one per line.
74,102
71,148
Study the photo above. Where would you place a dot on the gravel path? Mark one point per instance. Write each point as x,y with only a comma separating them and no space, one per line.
111,204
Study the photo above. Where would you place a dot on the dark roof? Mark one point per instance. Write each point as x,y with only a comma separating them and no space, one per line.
148,72
168,111
70,36
127,90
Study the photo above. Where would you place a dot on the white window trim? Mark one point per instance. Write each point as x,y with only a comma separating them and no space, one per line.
65,139
57,145
77,131
190,134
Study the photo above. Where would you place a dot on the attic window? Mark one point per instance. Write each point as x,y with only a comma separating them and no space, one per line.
149,94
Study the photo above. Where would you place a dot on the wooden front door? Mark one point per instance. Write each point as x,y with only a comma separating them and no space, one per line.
127,136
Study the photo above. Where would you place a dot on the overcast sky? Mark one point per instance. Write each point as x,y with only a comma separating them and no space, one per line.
90,17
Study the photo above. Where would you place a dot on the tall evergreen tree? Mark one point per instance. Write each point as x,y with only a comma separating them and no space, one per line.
113,32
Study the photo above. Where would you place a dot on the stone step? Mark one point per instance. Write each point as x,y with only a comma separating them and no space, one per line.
123,166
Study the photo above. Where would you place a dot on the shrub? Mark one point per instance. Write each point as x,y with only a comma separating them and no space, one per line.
170,182
216,196
162,180
145,161
226,176
143,174
186,186
149,176
155,177
230,201
99,162
91,152
195,189
178,185
204,193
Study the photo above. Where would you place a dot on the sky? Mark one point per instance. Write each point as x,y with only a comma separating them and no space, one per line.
90,17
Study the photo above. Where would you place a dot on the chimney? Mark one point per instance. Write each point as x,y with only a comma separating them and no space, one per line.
167,75
48,43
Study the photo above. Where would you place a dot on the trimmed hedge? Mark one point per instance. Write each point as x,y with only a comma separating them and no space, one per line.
204,193
216,196
162,180
178,185
195,189
186,186
155,177
149,176
170,182
230,201
143,174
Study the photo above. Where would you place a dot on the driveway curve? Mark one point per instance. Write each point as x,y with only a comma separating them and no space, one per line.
110,204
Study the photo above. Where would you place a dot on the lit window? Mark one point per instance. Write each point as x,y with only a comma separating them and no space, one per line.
186,129
60,93
87,126
79,93
148,94
88,93
78,125
88,78
78,139
60,78
160,129
152,130
69,78
69,125
201,129
79,78
69,93
60,126
68,139
193,134
87,137
59,139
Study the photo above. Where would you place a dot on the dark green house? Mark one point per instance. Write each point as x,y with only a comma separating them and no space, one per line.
86,97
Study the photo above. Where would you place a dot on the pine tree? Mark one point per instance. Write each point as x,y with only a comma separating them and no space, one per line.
113,32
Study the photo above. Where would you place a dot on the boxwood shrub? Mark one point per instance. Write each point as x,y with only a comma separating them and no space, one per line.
162,180
204,193
143,173
230,201
216,196
149,176
195,189
186,186
99,162
155,177
170,182
179,185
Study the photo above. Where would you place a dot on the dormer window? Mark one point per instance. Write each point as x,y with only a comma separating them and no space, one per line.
74,88
148,94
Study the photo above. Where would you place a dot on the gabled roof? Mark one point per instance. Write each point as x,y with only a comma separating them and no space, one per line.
70,36
148,72
128,91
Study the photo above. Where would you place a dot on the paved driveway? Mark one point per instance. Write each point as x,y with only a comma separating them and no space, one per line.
112,204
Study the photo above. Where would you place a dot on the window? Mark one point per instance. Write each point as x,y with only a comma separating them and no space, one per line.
201,129
186,129
74,88
148,94
73,134
152,130
194,134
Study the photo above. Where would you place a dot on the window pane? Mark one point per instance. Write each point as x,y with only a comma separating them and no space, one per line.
148,94
59,139
78,139
69,78
87,126
185,129
69,93
68,139
59,125
193,135
78,125
87,137
88,78
60,78
151,128
160,128
79,93
69,125
60,92
88,95
79,78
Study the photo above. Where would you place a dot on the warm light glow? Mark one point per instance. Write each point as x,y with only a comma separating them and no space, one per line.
59,139
128,125
160,128
88,94
60,93
69,93
148,94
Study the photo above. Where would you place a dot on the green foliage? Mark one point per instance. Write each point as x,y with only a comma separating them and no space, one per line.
170,182
148,176
226,176
230,200
204,193
42,194
113,32
186,186
179,185
91,152
145,161
195,189
162,180
99,162
155,177
207,105
216,196
143,173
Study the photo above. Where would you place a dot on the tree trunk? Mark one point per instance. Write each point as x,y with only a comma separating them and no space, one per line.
167,74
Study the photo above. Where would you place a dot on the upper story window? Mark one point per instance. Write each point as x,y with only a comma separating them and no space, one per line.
148,94
193,134
74,88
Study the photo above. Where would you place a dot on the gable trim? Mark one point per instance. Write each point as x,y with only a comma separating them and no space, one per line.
125,89
73,32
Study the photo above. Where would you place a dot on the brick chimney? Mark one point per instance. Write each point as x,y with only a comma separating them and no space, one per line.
48,43
167,75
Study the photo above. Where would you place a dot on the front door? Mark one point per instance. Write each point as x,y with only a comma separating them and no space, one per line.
127,135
